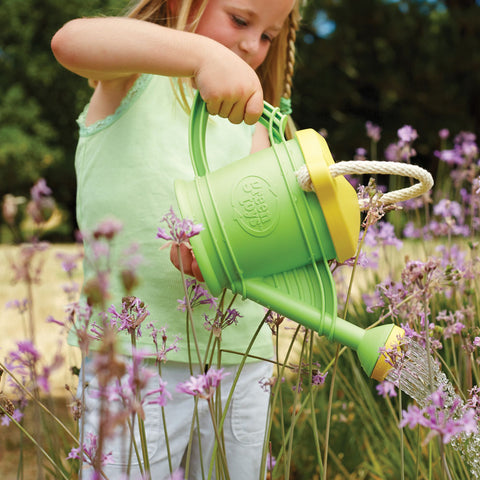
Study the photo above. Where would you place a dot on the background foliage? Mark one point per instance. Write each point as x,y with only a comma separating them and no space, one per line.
401,62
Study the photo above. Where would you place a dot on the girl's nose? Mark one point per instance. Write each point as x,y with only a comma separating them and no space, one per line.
249,44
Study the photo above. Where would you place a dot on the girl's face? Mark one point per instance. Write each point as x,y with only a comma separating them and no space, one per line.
247,27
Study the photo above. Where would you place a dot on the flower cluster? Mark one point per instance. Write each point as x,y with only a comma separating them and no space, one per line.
402,150
203,385
26,362
133,313
221,321
178,230
89,451
197,295
441,419
42,204
162,348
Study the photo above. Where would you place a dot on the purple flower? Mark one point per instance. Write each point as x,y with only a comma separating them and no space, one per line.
393,153
373,301
26,354
318,378
5,421
161,395
381,234
133,313
444,133
131,390
178,230
39,190
177,475
407,134
20,305
162,349
203,385
386,389
271,461
466,143
69,261
360,154
410,231
197,295
89,451
450,157
373,131
108,228
221,321
447,422
453,324
79,315
448,208
274,320
26,362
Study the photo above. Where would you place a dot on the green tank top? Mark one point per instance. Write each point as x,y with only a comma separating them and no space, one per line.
126,165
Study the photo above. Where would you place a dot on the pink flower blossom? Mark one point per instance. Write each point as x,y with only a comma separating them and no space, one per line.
386,389
203,385
89,451
178,230
446,422
444,133
373,131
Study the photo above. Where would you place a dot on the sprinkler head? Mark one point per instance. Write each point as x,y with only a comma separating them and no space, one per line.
377,364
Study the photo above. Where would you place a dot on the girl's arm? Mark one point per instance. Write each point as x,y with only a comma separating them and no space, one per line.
112,50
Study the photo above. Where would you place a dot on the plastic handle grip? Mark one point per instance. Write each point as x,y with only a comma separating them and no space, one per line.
271,119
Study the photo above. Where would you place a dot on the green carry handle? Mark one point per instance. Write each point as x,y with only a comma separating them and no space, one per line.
271,118
264,237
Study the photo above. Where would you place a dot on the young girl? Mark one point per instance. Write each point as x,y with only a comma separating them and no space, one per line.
133,144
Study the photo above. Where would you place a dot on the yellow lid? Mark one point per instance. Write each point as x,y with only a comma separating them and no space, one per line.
337,197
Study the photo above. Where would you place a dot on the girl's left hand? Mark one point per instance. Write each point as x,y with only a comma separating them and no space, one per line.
189,263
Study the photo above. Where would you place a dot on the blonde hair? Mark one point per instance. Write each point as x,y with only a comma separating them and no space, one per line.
275,73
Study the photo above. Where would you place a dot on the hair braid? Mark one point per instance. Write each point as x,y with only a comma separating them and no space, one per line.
290,55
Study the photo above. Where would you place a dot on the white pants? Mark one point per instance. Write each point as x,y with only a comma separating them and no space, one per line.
243,430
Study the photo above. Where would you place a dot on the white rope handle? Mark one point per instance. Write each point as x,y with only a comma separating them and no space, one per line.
358,167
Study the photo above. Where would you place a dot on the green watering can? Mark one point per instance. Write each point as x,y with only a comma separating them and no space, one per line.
268,240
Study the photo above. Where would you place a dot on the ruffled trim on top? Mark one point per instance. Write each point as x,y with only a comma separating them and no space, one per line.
135,91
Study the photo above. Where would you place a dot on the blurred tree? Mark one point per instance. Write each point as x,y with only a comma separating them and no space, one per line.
392,62
40,99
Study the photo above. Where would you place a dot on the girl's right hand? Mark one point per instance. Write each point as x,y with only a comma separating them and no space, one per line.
187,260
229,87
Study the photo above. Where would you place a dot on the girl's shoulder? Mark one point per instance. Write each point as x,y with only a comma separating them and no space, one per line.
132,95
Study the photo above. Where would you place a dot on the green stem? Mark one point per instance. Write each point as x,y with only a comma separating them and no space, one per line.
263,359
235,381
312,407
295,398
40,449
189,310
141,422
329,413
218,441
164,421
278,393
133,443
190,440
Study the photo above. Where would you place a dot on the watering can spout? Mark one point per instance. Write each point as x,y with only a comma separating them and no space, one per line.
374,347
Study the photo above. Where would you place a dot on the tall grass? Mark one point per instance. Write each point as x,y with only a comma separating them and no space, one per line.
418,268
